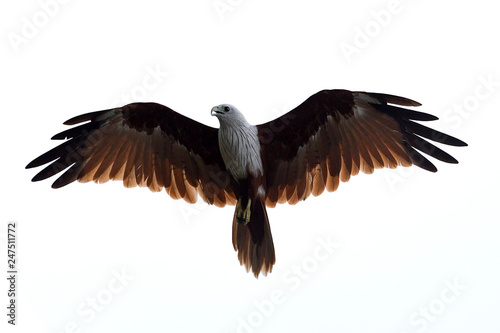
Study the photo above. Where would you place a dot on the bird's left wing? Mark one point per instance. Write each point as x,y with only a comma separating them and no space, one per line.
336,133
143,144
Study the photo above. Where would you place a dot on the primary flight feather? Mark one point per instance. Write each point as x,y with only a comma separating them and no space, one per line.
329,137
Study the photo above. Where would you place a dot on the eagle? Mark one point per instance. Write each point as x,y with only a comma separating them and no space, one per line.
331,136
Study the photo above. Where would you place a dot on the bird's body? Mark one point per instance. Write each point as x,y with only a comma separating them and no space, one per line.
331,136
241,152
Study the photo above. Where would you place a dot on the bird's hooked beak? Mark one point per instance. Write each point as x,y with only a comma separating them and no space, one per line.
216,110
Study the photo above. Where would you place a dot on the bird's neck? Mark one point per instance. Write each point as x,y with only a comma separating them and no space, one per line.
234,122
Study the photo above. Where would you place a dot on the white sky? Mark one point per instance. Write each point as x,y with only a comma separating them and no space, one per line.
414,252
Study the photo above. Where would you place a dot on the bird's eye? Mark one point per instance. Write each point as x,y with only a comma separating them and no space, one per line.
226,108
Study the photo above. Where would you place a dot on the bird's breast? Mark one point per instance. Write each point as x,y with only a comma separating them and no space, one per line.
240,150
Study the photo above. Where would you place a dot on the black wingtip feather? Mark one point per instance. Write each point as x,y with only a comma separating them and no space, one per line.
62,150
432,134
30,165
402,113
55,167
35,163
428,148
419,159
69,176
458,142
393,99
76,131
83,117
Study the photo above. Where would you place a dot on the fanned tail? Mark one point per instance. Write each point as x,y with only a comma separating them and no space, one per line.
253,240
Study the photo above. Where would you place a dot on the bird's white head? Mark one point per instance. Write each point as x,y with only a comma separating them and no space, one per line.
228,115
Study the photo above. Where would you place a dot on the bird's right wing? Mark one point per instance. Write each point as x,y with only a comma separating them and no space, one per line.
143,144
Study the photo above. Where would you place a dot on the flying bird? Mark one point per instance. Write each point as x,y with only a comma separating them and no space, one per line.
328,138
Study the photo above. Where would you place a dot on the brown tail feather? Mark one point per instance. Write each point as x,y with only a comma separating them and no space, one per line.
254,241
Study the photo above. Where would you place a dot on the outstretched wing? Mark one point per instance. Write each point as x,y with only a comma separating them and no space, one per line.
143,144
336,133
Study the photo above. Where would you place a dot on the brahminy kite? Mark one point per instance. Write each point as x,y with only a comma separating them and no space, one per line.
328,138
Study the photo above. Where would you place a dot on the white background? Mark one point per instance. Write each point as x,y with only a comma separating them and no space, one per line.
404,236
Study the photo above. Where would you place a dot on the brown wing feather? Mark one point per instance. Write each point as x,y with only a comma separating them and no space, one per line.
142,144
334,134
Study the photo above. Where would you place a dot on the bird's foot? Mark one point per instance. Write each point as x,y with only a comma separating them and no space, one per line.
243,216
246,213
